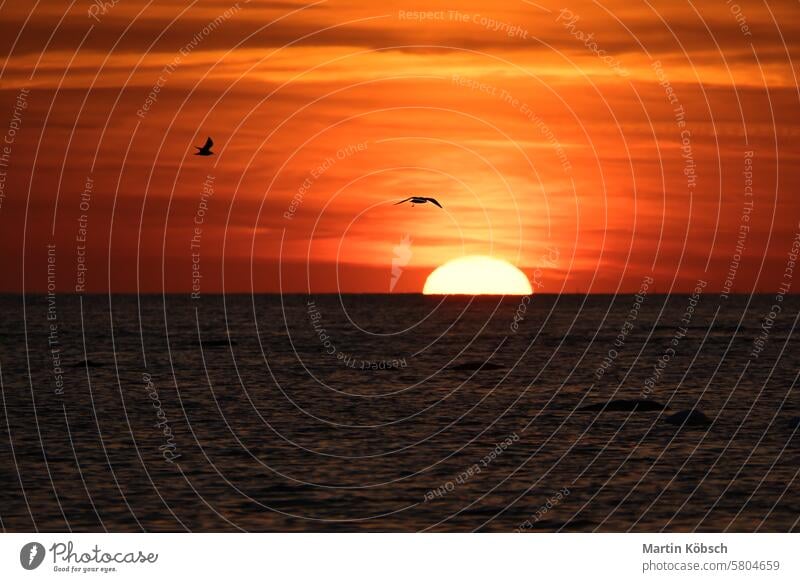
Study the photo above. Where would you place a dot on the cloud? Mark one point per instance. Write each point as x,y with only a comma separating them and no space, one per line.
527,139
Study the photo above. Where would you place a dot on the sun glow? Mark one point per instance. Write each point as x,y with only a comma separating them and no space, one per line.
477,275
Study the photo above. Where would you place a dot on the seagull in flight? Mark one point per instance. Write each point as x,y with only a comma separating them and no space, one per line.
206,149
419,200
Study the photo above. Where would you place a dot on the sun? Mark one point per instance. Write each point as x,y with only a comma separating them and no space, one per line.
477,275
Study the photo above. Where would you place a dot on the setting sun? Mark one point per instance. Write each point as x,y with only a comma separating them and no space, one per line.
477,275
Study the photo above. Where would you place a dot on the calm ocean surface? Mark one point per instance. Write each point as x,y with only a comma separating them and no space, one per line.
355,413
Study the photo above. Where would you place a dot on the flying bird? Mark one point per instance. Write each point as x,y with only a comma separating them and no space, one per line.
206,149
419,200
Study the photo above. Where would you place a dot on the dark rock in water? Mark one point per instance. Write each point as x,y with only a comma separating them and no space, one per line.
688,418
471,366
218,343
87,364
637,405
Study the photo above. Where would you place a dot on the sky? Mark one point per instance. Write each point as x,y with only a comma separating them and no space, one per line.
594,145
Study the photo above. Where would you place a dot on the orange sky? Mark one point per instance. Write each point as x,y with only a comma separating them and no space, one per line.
613,132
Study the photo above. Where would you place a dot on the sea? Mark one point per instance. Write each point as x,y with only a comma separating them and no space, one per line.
399,413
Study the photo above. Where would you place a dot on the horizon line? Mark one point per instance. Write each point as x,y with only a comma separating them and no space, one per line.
308,294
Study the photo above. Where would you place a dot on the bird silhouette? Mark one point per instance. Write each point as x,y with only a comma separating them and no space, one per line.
419,200
206,149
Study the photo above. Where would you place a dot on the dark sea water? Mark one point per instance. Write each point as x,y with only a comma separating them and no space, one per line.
254,413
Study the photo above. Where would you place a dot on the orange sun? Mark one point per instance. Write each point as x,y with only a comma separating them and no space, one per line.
477,275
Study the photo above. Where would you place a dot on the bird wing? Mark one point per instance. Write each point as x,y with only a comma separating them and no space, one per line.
434,201
209,143
406,200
